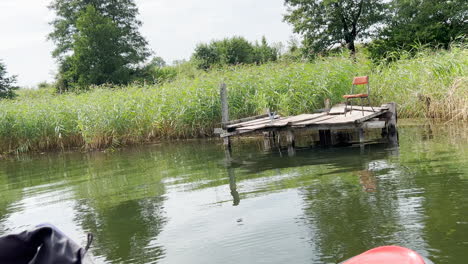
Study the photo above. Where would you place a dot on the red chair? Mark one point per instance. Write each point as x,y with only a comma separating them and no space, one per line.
358,81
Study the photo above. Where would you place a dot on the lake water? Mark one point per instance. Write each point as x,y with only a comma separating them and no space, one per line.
185,203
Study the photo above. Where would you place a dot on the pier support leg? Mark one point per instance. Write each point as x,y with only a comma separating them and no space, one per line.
267,141
362,138
227,143
325,138
392,124
291,142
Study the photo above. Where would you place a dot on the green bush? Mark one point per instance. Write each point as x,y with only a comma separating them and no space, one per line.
233,51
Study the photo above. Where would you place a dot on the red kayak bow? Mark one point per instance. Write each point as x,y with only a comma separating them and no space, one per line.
388,255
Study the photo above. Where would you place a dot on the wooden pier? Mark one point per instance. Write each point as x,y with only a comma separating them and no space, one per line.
357,119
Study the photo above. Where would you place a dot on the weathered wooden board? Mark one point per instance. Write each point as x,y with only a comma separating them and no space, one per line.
350,117
276,123
309,122
337,109
302,118
366,108
253,122
253,127
245,119
374,124
281,122
369,116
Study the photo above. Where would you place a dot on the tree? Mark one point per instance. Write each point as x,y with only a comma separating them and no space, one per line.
95,47
233,51
206,55
7,89
432,23
327,23
157,62
97,41
264,52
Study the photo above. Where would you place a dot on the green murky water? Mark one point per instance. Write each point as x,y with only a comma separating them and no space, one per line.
183,203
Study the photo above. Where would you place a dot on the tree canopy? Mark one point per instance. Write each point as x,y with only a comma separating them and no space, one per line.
327,23
7,87
97,41
426,22
232,51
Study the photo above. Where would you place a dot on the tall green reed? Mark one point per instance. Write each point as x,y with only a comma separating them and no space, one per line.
432,84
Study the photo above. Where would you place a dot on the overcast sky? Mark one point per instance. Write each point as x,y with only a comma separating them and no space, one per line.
172,27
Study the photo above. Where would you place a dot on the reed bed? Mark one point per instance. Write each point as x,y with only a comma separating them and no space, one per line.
432,85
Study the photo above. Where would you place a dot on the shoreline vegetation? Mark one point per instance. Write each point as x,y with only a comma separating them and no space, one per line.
432,84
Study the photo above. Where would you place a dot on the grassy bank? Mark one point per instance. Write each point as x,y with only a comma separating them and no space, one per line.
433,84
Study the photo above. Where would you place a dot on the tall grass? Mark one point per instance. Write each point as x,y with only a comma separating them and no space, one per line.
429,85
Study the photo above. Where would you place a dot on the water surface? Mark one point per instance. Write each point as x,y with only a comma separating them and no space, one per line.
184,202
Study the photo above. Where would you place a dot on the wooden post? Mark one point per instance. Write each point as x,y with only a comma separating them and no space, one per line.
327,104
291,142
325,138
266,141
362,135
362,138
224,112
392,124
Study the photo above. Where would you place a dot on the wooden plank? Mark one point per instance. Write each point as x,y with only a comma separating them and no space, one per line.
373,124
366,108
349,118
337,109
328,126
253,122
370,116
247,122
282,121
232,122
253,127
312,121
276,123
304,117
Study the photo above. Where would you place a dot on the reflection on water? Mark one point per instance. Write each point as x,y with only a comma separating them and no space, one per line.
188,202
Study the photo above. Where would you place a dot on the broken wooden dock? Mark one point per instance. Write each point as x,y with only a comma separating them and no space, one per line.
339,117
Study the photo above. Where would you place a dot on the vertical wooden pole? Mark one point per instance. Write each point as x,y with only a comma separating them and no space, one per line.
392,124
362,138
327,104
362,135
224,112
291,142
325,138
267,140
